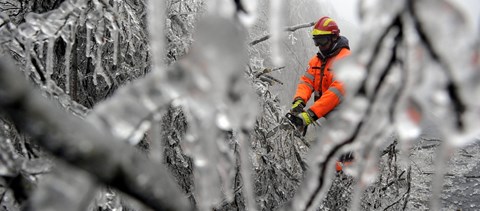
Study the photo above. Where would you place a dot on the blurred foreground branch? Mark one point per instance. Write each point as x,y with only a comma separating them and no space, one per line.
85,147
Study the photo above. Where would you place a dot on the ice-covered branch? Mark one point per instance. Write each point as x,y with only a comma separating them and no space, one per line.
85,147
288,29
299,26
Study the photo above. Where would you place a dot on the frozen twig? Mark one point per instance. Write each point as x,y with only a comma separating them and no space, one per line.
299,26
430,139
270,79
267,70
397,200
455,175
405,195
288,29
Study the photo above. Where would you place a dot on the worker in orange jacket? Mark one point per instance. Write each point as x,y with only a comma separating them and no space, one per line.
319,78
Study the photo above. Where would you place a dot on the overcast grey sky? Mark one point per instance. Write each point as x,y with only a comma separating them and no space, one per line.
347,9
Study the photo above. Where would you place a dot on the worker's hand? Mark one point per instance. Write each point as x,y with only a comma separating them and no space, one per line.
306,118
297,107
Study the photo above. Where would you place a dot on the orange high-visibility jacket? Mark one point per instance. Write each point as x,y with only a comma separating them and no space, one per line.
331,92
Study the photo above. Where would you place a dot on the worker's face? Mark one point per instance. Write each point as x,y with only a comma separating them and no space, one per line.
324,42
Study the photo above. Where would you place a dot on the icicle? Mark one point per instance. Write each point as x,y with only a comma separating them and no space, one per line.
156,17
275,31
82,17
99,70
205,154
226,167
67,67
129,33
207,85
89,39
98,66
28,59
443,156
156,147
68,52
100,32
115,33
246,170
100,41
405,121
50,57
41,46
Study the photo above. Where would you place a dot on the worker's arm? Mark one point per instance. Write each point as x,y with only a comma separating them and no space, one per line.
328,101
305,86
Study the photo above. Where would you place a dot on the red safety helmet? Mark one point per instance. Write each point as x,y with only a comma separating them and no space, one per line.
325,26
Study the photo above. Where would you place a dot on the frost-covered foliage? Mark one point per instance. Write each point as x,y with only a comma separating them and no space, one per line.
279,151
199,114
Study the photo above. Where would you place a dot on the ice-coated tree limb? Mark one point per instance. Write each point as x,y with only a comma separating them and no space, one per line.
83,146
299,26
288,29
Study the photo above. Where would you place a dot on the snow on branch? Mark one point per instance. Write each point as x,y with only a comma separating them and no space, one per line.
85,147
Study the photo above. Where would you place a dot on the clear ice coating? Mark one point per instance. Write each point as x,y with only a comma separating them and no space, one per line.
412,64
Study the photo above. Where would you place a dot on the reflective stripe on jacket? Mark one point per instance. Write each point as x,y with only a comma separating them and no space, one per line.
331,92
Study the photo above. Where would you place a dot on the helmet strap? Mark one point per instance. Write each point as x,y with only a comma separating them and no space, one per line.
321,53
